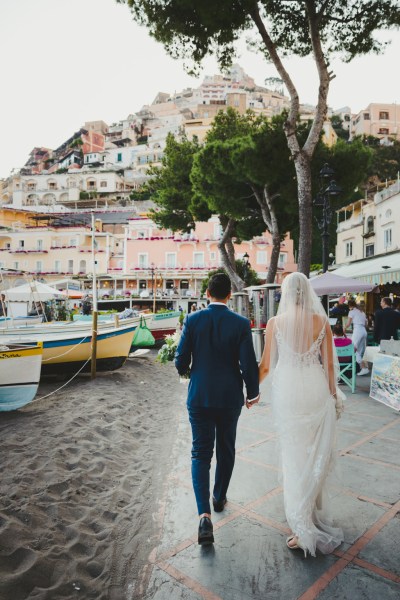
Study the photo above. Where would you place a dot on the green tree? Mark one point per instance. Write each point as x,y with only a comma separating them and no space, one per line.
171,188
385,163
317,28
249,276
337,124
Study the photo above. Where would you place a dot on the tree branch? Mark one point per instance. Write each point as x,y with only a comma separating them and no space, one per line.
290,125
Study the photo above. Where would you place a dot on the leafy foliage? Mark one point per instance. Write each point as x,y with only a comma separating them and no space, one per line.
249,275
171,187
193,28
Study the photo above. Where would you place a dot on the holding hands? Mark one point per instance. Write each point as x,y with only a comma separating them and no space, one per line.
253,401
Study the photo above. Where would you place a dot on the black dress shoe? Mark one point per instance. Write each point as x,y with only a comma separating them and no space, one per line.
206,535
219,505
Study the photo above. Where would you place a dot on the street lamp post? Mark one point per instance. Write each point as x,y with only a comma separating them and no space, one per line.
326,192
152,269
246,266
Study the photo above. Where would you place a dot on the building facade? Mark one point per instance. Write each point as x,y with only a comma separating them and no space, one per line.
379,120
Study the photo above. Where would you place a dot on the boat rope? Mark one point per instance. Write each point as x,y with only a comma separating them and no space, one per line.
68,351
66,383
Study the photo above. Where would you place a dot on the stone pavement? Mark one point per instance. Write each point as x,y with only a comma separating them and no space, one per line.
249,559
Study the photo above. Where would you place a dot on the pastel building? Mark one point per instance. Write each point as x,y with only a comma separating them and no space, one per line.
52,189
172,262
368,238
46,245
377,119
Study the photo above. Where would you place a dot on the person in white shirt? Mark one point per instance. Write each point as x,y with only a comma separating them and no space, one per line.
359,338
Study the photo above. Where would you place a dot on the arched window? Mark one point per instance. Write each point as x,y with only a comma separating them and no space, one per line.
82,266
370,225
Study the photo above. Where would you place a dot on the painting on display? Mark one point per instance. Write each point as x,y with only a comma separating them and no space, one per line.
385,380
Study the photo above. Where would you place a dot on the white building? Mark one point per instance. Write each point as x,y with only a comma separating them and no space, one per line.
368,238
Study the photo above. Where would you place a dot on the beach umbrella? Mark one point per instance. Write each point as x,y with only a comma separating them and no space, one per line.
33,291
329,283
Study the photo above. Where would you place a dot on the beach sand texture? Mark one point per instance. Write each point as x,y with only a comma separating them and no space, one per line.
82,480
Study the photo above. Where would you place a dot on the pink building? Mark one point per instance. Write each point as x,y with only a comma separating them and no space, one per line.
171,262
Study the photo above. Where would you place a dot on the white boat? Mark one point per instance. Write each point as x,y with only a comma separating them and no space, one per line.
67,351
11,322
160,324
20,367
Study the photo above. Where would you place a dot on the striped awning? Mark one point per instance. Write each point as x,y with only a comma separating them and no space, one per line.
378,270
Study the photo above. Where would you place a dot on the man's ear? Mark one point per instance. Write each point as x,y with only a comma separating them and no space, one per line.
208,293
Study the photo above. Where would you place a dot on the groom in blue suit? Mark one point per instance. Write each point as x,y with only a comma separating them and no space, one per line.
217,345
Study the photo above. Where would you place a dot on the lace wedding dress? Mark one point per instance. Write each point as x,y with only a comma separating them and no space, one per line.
299,357
306,421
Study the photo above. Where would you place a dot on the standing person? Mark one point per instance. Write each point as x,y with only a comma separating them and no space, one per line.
387,321
3,306
359,337
193,308
217,345
300,355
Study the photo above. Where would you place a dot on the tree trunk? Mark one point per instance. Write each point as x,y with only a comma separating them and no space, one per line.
303,172
273,265
302,156
270,219
226,240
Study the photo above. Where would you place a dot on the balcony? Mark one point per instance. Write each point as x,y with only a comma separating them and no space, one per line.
349,224
28,251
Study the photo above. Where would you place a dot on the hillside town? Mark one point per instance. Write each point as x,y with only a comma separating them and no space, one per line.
199,300
46,205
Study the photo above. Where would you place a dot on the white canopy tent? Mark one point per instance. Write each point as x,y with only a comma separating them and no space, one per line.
378,270
330,283
35,291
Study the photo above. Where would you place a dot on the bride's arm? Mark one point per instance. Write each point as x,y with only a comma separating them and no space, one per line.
263,368
328,358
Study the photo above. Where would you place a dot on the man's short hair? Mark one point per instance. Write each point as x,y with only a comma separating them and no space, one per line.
219,286
387,301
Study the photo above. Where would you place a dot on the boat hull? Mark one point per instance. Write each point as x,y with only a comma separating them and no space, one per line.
20,369
67,353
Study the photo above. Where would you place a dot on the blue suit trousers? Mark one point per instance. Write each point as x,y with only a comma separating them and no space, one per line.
212,426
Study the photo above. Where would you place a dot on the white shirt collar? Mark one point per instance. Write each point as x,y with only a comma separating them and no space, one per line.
218,303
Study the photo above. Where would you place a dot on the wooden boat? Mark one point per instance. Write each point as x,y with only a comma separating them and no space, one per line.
19,374
6,322
163,324
160,324
82,325
68,351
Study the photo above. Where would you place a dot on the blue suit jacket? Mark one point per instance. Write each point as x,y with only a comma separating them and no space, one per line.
217,345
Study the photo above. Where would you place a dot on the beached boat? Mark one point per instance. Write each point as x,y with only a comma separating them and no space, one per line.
19,374
163,324
77,325
69,351
10,322
160,324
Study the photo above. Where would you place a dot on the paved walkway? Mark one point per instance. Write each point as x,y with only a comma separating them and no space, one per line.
249,559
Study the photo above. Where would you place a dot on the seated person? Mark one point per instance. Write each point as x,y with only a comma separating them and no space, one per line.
340,340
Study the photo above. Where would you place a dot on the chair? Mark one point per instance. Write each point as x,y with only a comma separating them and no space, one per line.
347,370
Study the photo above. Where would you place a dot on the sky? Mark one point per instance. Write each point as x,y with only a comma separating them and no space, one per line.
70,61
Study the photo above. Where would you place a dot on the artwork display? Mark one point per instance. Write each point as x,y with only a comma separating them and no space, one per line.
385,380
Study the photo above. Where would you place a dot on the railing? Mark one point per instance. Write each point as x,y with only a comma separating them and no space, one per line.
27,251
349,223
387,192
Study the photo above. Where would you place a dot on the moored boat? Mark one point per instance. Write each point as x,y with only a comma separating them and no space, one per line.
164,323
69,351
19,374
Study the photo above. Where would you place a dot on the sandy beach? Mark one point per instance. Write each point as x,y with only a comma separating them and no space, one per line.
82,479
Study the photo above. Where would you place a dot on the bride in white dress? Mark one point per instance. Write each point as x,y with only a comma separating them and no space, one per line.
300,358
